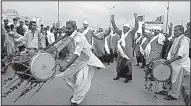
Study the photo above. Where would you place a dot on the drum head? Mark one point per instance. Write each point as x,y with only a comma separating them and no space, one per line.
41,66
161,72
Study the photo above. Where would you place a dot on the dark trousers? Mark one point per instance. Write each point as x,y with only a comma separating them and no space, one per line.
109,57
138,58
143,60
112,55
55,36
21,48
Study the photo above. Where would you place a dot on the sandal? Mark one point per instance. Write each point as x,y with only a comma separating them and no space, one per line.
116,78
170,97
162,93
126,80
74,104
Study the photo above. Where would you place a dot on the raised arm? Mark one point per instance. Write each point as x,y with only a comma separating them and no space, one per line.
143,29
107,33
134,30
170,29
119,32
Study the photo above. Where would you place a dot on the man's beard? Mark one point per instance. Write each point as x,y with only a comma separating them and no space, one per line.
85,27
68,33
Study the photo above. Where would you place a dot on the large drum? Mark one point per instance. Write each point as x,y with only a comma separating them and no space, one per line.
160,71
34,66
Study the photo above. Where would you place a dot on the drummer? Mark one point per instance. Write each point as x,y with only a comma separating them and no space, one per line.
178,58
153,50
79,70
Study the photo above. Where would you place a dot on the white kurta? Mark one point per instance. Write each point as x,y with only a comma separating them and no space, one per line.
50,37
179,65
78,76
184,62
31,40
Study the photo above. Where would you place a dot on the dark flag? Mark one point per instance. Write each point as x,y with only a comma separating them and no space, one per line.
160,18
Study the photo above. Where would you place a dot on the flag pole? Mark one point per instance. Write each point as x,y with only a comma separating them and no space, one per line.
58,11
167,17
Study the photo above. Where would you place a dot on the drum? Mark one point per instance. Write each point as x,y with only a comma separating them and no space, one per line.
37,66
160,71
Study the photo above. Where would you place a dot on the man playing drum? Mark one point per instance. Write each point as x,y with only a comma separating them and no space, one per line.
178,58
154,48
79,70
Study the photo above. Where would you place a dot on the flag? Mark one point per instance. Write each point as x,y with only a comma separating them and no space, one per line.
141,18
160,18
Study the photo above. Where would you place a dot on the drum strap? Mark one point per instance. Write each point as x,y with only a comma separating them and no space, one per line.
39,41
175,52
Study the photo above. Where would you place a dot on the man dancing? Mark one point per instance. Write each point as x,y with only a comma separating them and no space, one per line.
79,70
125,57
87,33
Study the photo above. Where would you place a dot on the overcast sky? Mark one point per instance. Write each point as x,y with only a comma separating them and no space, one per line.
97,14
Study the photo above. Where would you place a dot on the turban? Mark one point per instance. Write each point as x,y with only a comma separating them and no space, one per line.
148,32
127,25
157,28
100,27
85,22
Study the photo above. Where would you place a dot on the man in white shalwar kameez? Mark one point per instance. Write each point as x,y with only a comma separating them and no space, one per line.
87,33
178,57
79,70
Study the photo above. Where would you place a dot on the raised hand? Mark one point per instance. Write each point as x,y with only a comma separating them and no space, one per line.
135,15
171,25
112,17
109,29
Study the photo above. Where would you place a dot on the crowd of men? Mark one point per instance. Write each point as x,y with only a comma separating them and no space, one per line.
108,45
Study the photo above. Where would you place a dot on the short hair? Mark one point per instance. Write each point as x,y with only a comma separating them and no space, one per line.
45,28
73,23
30,24
21,22
41,25
188,24
26,21
12,26
14,19
7,27
180,27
